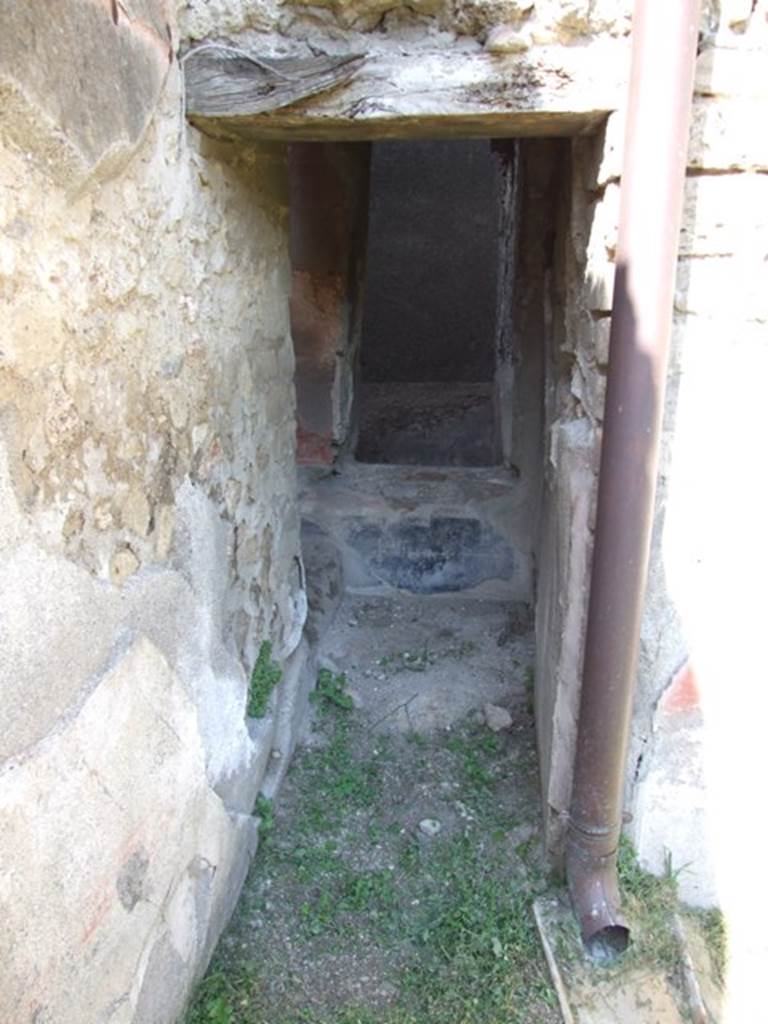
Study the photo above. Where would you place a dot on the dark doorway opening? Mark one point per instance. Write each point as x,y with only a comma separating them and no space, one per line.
426,393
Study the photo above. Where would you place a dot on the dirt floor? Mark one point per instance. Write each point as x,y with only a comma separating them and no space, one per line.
395,877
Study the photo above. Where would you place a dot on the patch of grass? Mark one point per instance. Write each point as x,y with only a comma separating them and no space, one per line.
314,862
421,660
318,913
368,891
222,996
341,894
650,903
449,916
335,782
713,928
481,960
330,689
478,755
265,676
263,809
409,857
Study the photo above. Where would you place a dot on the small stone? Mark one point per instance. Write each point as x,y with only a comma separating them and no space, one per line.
429,827
497,718
504,39
124,563
136,512
355,696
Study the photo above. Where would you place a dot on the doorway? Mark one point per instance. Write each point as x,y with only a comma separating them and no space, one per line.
427,366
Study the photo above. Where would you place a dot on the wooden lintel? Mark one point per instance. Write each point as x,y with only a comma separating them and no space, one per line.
224,82
431,95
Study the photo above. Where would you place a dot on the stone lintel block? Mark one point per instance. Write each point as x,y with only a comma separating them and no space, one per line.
77,88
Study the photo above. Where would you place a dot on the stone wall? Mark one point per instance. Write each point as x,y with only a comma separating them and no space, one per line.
148,523
506,25
679,729
701,655
329,217
148,515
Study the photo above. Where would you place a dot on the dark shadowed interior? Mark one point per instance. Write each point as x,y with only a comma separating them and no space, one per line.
426,393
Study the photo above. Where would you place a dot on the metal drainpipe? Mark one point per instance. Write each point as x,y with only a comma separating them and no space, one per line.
653,173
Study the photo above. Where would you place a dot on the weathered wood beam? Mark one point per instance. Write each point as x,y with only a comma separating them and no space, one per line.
557,90
222,82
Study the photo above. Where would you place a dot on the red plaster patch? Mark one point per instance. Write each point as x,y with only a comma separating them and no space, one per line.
682,694
313,449
97,917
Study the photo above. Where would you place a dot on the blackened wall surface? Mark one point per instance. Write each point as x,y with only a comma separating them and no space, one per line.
432,252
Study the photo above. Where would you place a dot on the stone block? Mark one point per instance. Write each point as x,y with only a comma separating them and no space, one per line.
239,788
439,554
726,215
561,610
732,72
291,716
727,135
114,816
718,286
89,115
58,628
597,158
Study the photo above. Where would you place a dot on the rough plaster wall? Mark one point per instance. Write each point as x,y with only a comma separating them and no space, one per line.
148,526
423,22
329,213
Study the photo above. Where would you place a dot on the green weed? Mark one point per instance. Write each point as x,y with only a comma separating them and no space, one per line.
650,903
476,755
713,927
264,810
264,678
220,996
452,917
421,660
330,689
481,960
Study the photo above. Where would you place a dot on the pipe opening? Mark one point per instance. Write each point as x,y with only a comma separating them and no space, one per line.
607,944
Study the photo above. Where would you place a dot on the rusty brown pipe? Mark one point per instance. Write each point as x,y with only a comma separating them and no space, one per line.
664,38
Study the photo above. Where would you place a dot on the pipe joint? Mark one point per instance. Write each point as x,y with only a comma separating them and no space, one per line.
594,891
